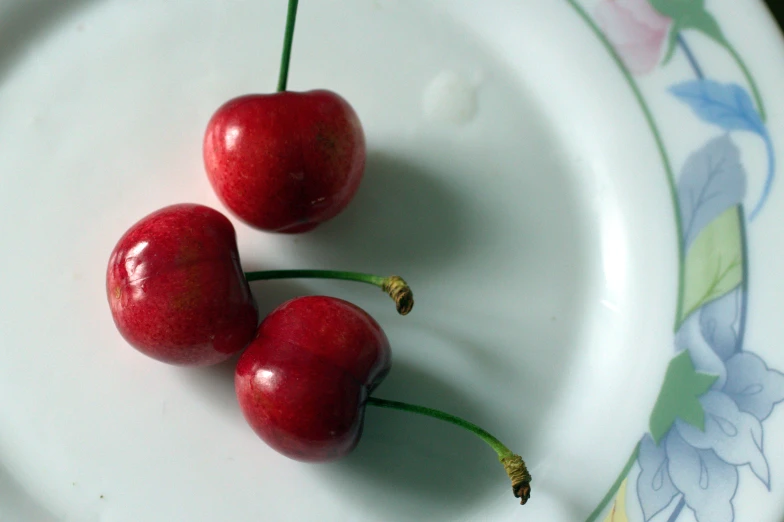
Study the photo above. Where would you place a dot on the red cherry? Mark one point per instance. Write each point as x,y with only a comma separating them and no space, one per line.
303,381
176,289
287,161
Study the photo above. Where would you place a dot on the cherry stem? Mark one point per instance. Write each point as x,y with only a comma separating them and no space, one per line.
394,286
513,464
285,58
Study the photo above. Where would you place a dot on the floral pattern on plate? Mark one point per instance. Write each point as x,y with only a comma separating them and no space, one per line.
708,419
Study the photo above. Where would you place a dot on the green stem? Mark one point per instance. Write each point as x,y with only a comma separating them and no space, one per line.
394,286
749,79
316,274
287,39
659,144
491,441
513,464
616,485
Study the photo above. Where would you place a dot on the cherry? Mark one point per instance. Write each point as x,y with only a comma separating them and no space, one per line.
287,161
178,294
176,289
304,382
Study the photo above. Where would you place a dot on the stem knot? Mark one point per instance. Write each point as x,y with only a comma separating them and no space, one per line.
400,292
518,474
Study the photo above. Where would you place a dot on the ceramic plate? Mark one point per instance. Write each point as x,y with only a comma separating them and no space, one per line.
583,195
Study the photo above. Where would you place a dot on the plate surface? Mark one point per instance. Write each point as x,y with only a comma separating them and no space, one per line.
591,228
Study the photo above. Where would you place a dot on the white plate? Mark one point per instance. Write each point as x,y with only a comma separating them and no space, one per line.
515,180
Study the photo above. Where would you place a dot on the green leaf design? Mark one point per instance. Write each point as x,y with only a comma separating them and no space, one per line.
672,43
677,9
714,263
679,395
703,22
688,14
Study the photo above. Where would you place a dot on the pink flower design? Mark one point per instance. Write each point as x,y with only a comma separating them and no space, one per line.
636,30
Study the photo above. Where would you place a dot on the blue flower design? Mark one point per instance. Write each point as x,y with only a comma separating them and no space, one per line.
708,483
700,466
707,421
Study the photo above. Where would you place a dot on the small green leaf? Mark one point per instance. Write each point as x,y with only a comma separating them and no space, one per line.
714,263
676,9
672,43
688,14
703,22
679,395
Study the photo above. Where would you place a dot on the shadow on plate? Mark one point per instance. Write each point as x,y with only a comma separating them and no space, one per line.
17,504
402,216
416,468
21,23
542,376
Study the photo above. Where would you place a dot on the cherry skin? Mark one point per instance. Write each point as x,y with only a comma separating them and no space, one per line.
303,381
287,161
176,289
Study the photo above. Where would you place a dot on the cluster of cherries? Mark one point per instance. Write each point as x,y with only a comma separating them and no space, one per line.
282,162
